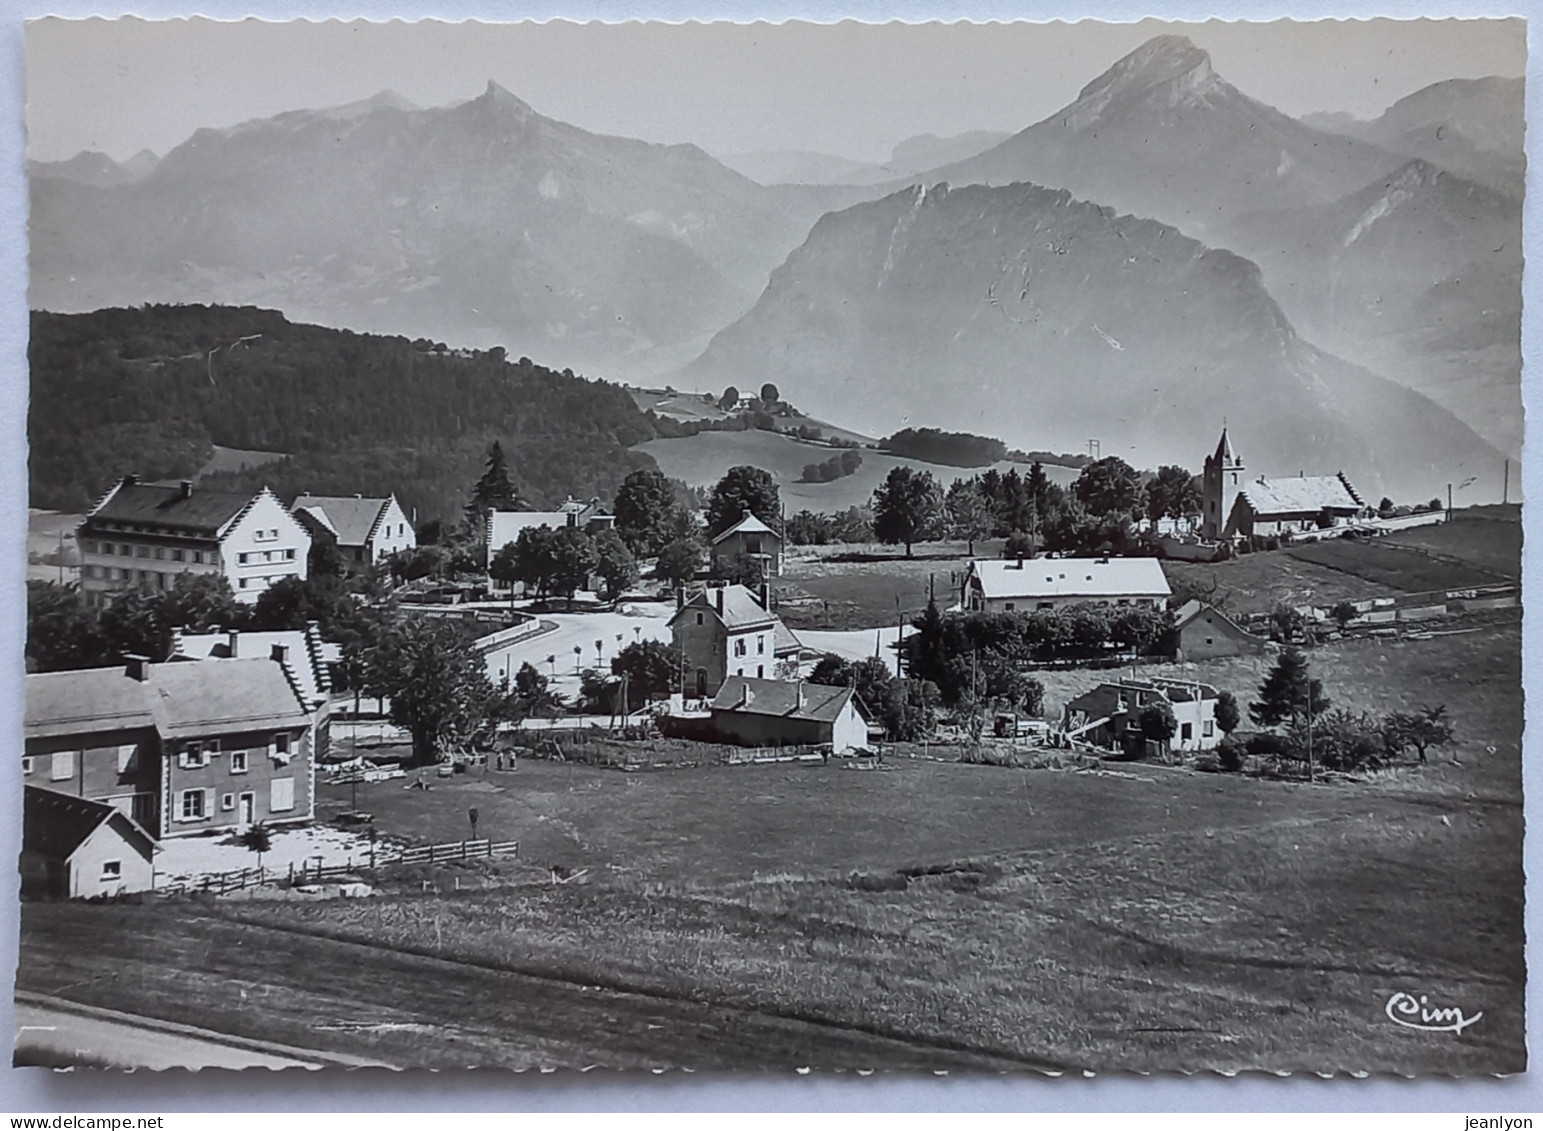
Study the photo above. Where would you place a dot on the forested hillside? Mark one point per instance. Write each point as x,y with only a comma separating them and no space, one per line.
150,390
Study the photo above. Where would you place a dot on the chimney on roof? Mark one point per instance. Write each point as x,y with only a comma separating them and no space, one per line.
232,639
745,695
280,653
765,593
1019,563
185,489
718,599
680,596
137,667
130,480
799,702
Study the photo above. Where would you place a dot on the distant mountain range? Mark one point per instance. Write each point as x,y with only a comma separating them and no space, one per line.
485,223
1474,127
1418,274
913,155
1020,312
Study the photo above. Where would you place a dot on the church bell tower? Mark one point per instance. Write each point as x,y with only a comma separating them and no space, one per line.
1220,483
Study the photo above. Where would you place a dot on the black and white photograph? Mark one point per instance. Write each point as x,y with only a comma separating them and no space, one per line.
812,547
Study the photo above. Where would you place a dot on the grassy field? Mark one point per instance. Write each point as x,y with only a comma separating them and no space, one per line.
1488,538
701,460
922,913
817,591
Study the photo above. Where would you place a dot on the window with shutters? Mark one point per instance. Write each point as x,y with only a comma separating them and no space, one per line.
191,805
194,756
281,797
62,766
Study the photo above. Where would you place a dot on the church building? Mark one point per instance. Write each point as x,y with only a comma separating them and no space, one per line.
1233,505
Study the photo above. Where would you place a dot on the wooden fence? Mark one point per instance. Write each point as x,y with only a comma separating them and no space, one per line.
386,856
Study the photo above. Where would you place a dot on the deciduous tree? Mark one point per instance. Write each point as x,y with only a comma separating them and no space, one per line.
906,507
743,490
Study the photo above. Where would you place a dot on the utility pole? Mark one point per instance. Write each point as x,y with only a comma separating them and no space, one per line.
1505,491
1449,502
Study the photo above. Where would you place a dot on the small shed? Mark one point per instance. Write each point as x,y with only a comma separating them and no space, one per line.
1203,632
73,848
770,712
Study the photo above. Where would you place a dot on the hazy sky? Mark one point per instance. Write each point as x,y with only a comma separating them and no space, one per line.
848,89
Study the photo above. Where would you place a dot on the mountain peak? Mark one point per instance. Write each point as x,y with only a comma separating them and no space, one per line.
499,98
1170,61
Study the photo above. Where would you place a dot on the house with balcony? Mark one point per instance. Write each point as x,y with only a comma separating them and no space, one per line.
180,748
365,531
145,534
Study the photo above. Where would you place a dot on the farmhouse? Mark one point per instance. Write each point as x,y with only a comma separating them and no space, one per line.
363,530
1232,505
180,748
723,631
750,538
1048,583
766,712
1203,632
72,848
306,655
1110,714
145,534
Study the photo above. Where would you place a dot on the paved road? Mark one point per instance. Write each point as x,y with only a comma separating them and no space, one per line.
580,630
46,1034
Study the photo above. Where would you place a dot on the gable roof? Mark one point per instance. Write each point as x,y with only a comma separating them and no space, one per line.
1085,578
195,699
353,519
741,610
781,698
784,641
1191,610
309,656
176,505
747,525
1303,495
56,824
1104,698
178,699
85,701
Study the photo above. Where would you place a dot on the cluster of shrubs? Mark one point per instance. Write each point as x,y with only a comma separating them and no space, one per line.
1343,740
837,467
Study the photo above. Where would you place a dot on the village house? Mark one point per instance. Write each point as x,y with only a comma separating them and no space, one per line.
1110,715
1049,583
723,631
749,538
181,748
145,534
308,657
503,527
1234,506
73,848
1202,632
364,530
767,712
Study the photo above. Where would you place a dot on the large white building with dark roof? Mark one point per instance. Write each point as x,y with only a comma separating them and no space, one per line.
142,535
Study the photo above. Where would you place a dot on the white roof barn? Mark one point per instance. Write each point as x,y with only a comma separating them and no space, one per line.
1016,586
